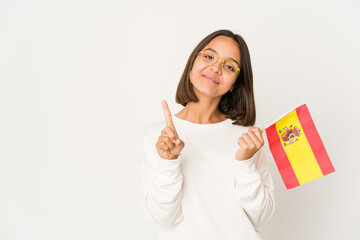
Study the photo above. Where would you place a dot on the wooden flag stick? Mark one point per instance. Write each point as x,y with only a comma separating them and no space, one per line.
296,106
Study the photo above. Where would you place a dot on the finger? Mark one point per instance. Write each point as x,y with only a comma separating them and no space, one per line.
248,140
258,133
170,133
255,139
167,114
162,146
163,132
167,141
160,151
242,143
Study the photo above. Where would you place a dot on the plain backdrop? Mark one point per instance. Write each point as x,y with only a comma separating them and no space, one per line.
81,80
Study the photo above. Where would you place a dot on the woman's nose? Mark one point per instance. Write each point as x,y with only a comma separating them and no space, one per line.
217,66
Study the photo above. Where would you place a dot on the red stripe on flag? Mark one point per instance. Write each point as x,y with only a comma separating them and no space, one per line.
282,162
314,140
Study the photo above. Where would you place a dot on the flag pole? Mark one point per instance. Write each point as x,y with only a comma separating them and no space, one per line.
263,129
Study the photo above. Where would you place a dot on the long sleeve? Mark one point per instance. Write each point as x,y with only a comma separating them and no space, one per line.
161,185
255,188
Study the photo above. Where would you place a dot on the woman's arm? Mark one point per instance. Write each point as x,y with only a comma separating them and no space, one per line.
161,185
255,187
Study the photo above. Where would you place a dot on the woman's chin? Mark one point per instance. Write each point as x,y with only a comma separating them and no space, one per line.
208,92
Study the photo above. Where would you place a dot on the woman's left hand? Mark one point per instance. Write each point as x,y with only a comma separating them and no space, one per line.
249,143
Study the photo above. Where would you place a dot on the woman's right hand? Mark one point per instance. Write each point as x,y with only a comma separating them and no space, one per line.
169,144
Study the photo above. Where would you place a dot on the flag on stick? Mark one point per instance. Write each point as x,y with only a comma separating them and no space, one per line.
297,149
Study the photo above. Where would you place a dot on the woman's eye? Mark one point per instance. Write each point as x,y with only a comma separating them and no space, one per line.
230,68
208,56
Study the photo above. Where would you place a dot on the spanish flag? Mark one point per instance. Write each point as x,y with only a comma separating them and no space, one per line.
297,149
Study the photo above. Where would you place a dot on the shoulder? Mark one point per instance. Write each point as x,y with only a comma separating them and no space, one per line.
240,128
245,128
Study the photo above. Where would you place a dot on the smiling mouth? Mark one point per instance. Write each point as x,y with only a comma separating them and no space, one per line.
210,79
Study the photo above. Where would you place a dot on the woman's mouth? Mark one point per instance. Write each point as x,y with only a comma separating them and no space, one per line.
210,79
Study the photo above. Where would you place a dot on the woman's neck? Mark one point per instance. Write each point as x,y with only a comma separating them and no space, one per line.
201,113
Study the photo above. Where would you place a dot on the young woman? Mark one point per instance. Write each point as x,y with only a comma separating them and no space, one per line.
204,174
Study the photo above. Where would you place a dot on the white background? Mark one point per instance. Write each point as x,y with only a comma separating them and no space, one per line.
81,80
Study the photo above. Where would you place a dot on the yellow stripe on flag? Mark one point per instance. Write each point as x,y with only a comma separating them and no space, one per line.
299,152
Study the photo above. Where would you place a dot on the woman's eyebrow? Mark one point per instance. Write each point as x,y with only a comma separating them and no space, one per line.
217,52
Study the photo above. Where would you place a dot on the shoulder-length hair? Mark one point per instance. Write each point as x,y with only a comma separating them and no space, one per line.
238,105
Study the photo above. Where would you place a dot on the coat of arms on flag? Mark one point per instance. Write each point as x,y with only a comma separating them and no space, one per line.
297,149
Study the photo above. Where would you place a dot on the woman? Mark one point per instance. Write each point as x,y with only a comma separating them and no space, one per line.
218,185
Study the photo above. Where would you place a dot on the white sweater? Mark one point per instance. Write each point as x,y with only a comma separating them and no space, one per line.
205,194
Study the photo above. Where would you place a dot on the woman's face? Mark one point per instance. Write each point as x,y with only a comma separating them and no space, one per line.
202,74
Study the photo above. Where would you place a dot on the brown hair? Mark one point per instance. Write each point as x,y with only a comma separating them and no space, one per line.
238,105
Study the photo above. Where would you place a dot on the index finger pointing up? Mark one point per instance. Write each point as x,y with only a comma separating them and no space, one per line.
167,114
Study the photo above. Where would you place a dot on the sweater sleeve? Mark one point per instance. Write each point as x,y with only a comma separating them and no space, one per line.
255,187
161,185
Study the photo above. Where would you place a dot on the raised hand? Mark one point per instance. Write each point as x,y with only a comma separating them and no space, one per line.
169,144
249,144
